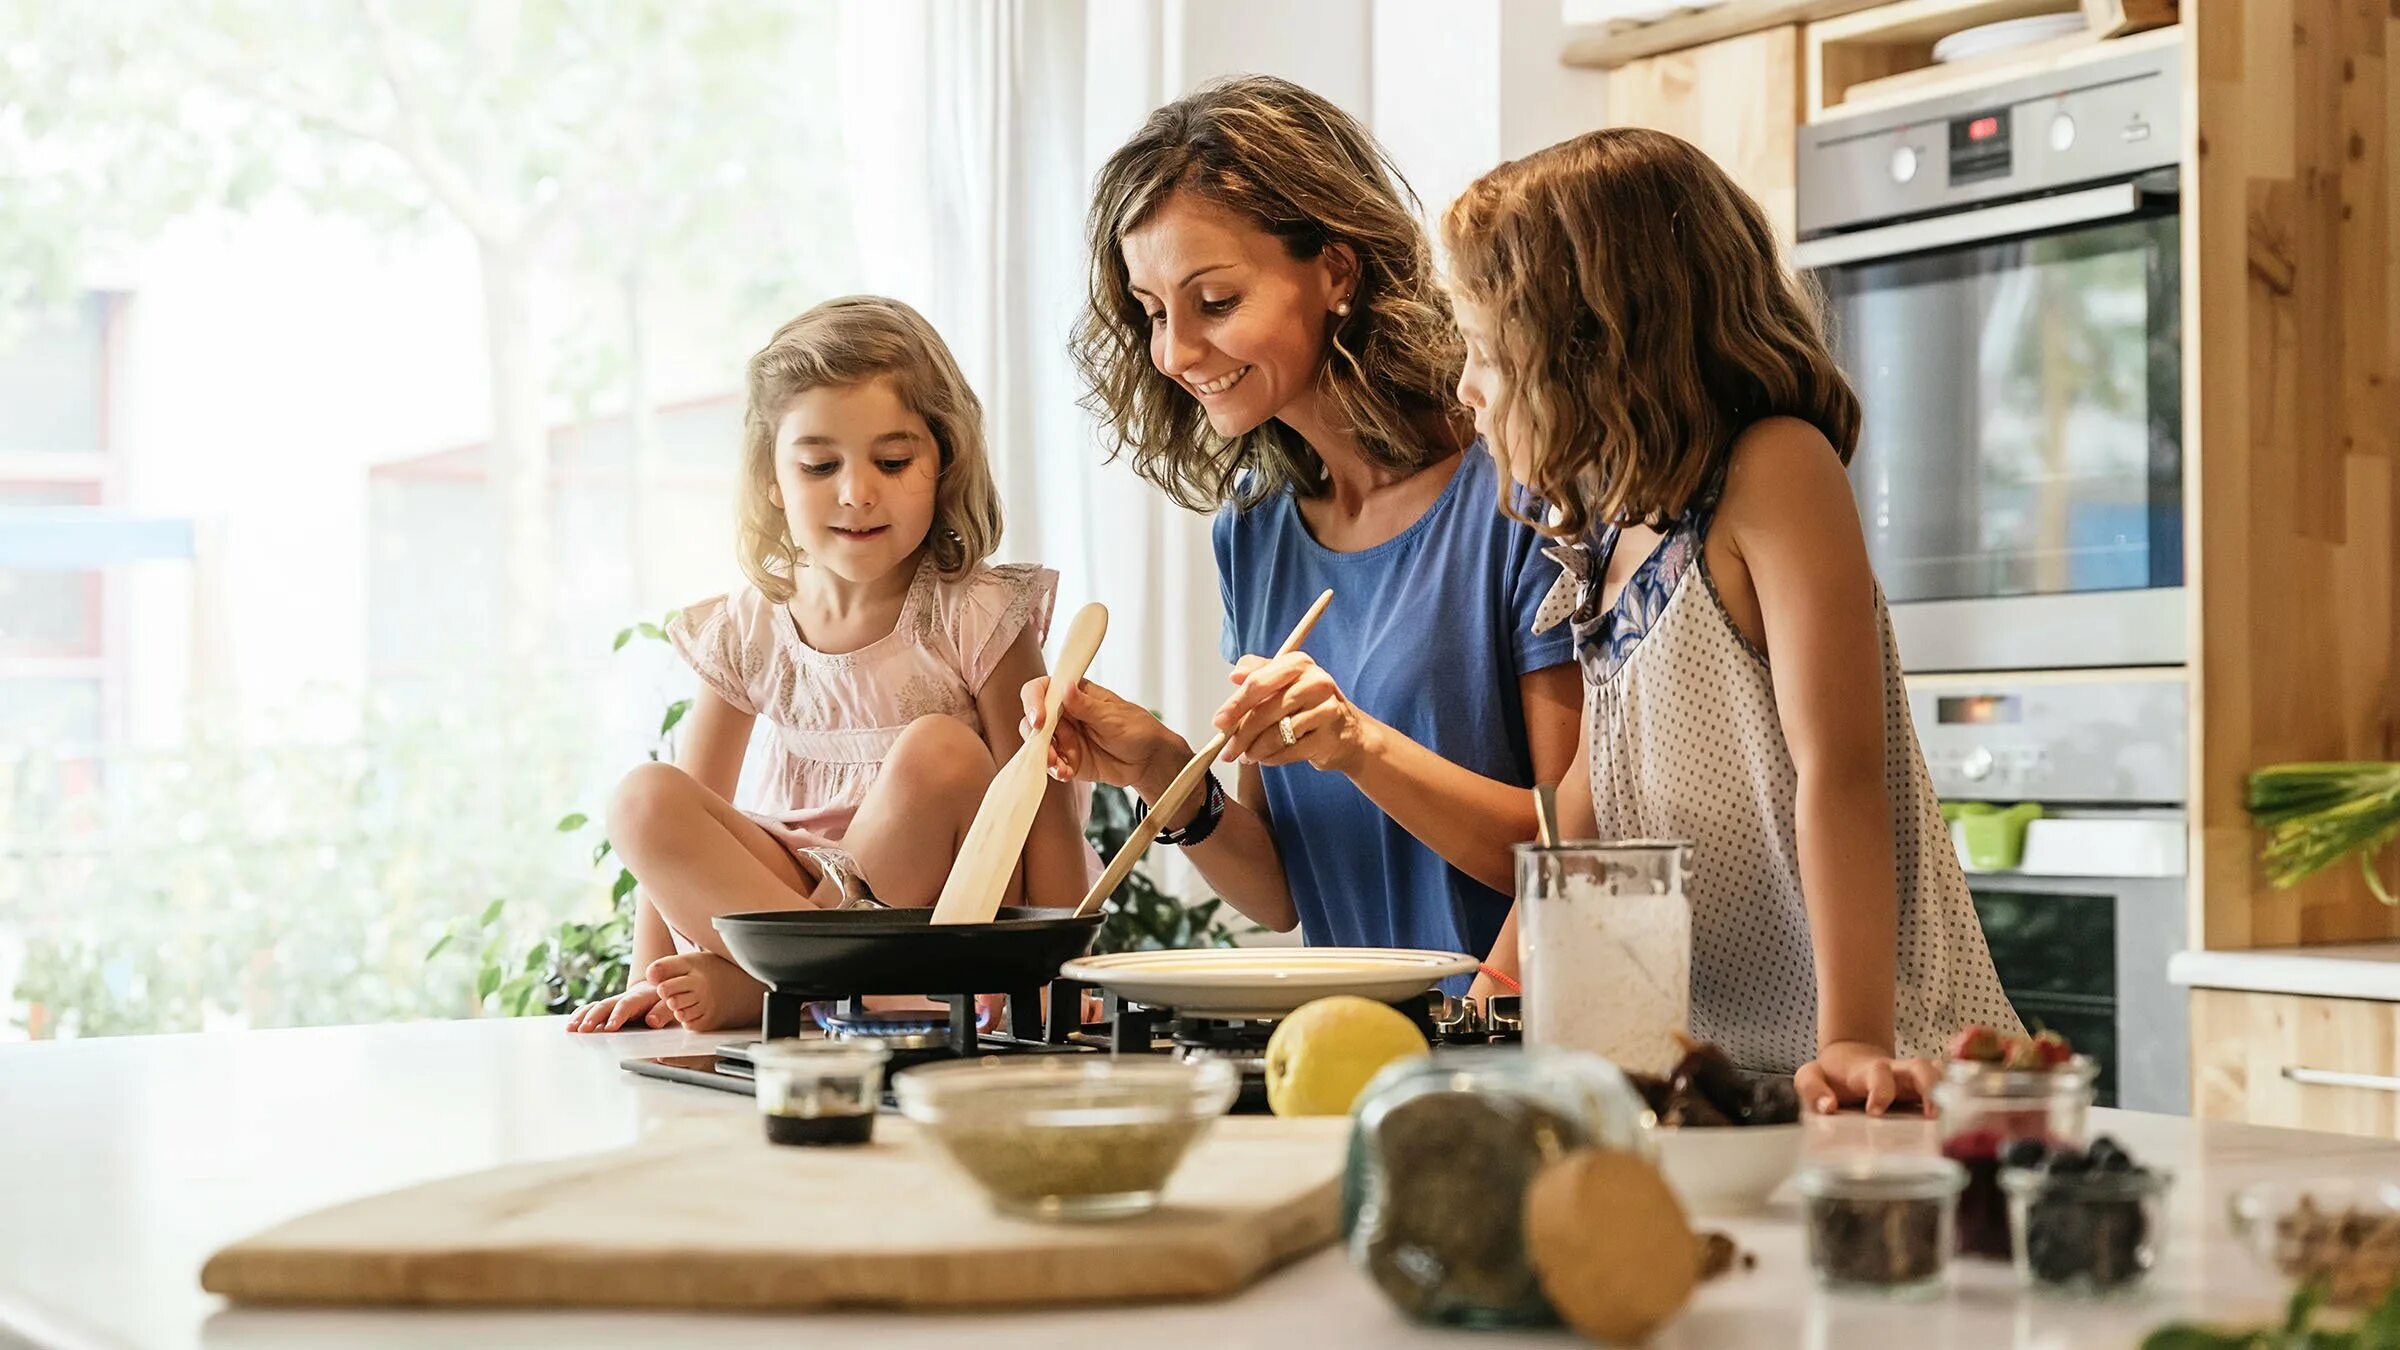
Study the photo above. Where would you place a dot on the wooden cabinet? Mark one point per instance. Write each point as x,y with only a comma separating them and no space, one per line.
2292,431
1737,99
2297,1061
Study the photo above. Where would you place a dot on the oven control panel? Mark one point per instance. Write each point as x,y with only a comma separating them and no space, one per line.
2101,121
2112,738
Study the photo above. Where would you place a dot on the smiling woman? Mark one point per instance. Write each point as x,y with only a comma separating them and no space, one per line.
1264,338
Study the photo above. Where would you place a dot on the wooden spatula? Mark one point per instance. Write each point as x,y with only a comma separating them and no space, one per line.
1147,829
988,855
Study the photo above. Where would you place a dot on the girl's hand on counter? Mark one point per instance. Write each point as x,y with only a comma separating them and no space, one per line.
1852,1073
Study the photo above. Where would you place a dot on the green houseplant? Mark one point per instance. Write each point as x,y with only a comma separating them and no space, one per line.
2315,815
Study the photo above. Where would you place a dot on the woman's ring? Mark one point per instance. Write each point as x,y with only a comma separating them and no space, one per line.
1290,738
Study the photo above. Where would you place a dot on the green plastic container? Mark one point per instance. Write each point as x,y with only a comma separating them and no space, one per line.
1994,835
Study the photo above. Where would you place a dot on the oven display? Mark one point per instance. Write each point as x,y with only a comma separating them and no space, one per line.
1978,710
1979,147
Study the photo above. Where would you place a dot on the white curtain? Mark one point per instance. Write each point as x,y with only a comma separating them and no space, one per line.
979,127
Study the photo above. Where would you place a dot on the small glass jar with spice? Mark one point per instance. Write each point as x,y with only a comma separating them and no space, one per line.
1880,1223
1441,1154
814,1091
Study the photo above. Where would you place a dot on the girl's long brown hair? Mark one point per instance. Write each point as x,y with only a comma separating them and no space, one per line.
1640,317
846,342
1292,164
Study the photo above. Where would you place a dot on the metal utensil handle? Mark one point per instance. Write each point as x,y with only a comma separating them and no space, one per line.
1147,828
2375,1082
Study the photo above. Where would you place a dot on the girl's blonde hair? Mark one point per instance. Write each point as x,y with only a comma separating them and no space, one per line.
1640,317
847,342
1294,165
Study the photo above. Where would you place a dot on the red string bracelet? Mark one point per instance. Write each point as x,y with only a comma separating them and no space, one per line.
1501,978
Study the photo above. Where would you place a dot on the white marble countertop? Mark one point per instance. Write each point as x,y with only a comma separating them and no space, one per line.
2350,970
125,1162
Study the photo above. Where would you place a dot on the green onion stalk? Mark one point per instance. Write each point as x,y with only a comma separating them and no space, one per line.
2315,815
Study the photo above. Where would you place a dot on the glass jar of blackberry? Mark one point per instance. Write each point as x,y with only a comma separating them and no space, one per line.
2084,1221
1996,1091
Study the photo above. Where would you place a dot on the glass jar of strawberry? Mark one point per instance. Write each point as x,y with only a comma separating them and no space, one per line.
1996,1090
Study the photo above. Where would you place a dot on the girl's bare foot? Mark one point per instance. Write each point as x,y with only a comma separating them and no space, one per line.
706,992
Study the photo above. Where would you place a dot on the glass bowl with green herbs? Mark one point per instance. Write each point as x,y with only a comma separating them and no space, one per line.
1068,1136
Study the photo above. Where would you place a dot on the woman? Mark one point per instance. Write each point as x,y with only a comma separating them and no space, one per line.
1266,336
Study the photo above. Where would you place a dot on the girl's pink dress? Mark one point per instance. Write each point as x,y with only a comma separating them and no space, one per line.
835,715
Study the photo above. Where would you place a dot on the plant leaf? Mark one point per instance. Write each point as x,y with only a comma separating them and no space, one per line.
491,914
573,821
623,888
675,712
438,943
649,630
486,982
624,635
600,851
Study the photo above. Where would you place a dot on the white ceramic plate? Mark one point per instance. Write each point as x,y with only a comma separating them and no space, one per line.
2006,35
1265,982
1727,1169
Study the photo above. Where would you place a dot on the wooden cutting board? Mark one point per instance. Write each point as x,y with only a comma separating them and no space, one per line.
707,1214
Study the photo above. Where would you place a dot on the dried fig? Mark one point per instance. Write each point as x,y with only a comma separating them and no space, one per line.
1608,1238
1685,1106
1773,1101
1705,1069
1654,1089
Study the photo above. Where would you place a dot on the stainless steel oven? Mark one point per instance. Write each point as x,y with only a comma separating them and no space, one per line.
2084,911
2003,273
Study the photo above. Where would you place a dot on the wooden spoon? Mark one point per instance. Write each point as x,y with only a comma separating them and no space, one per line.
1147,828
987,857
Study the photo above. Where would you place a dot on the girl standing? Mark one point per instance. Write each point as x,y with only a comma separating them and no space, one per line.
1648,367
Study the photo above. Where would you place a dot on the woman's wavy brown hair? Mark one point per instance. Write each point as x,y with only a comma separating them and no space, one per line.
1640,316
846,342
1301,169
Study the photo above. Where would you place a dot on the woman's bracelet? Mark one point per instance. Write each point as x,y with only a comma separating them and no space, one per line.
1200,826
1500,977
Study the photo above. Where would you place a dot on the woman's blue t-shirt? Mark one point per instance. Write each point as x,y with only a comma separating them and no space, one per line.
1429,632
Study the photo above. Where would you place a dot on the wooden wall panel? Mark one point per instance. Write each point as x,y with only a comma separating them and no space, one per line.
1737,99
2292,325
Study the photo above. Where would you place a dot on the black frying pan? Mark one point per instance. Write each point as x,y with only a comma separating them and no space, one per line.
836,953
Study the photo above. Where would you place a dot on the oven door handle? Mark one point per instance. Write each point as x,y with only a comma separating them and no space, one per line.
2379,1082
1968,227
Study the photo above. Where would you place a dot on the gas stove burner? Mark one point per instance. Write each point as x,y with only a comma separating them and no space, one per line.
908,1030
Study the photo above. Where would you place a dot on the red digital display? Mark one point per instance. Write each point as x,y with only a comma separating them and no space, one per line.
1983,128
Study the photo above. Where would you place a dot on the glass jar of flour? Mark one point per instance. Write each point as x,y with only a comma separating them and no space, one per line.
1605,938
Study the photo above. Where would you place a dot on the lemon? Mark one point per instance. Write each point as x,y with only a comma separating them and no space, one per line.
1324,1053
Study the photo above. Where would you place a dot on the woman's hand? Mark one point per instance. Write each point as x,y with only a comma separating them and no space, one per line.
1852,1072
639,1006
1104,738
1327,729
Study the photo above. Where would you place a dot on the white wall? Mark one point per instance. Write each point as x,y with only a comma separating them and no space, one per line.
1461,85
